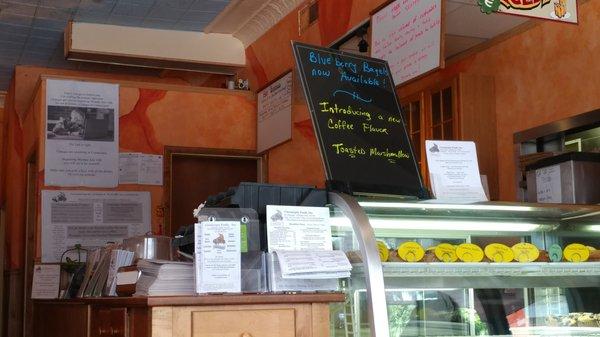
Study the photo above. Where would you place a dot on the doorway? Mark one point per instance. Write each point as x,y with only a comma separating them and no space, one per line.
193,174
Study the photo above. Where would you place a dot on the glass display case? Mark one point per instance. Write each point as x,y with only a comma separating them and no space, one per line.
496,296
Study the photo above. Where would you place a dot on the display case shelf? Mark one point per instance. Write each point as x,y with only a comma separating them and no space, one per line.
487,275
554,331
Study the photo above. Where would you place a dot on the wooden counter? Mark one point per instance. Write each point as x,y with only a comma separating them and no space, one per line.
248,315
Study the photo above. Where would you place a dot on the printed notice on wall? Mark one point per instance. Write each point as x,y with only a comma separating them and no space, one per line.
46,281
140,168
547,184
217,261
454,171
274,114
82,134
298,228
91,219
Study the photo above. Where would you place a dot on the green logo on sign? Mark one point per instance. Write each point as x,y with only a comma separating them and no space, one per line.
489,6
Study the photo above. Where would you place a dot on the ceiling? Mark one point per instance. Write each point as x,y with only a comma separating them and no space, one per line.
31,31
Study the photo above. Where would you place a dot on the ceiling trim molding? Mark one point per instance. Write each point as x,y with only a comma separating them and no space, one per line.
247,28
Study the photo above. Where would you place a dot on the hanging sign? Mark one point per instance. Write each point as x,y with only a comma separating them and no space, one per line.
408,35
557,10
355,113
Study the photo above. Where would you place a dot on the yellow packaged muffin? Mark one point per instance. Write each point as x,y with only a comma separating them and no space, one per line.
446,252
411,251
576,252
468,252
384,251
498,252
525,252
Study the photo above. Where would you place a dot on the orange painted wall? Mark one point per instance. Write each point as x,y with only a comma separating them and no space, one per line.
149,120
298,161
543,74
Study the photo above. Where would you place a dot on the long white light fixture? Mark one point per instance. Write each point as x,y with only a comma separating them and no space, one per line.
442,225
423,205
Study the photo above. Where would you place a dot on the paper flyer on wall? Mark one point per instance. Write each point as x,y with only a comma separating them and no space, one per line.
298,228
46,281
217,257
454,171
140,168
91,219
82,134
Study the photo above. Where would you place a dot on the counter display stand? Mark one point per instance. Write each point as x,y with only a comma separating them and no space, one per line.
465,299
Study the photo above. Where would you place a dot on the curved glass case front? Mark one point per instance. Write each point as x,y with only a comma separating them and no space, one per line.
496,296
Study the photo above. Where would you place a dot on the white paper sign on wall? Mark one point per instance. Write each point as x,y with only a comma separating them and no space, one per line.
407,34
274,114
547,182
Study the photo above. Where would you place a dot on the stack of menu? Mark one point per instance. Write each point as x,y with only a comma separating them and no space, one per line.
118,258
101,270
165,278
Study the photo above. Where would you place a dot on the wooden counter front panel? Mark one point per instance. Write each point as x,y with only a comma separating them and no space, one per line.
236,323
53,320
108,322
273,320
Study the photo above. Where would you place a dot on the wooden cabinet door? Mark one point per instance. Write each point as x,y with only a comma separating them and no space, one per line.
108,322
260,320
60,320
244,323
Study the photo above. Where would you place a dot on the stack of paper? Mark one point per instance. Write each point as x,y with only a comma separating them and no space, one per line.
326,264
118,258
96,273
165,278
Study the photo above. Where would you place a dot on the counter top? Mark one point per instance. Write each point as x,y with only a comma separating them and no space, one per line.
228,299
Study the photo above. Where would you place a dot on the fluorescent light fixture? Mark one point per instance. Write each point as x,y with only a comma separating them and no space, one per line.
442,225
425,205
593,228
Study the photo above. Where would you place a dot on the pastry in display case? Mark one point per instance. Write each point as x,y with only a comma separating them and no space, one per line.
493,269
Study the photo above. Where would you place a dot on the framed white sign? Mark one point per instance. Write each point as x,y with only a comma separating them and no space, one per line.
408,35
274,114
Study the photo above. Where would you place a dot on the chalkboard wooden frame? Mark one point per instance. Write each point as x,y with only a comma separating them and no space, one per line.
397,173
442,63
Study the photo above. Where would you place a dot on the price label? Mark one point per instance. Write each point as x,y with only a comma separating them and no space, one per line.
576,252
498,252
468,252
446,252
384,251
411,252
525,252
555,253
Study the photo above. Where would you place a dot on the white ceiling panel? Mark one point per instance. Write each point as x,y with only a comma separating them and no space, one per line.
470,21
180,4
18,9
166,13
456,44
131,9
125,20
451,6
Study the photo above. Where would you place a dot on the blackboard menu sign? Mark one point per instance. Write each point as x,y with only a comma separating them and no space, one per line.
358,123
